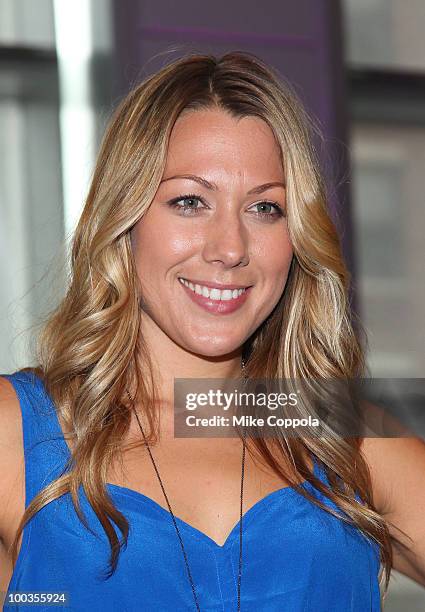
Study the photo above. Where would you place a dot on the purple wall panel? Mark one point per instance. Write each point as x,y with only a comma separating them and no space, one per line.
302,40
249,16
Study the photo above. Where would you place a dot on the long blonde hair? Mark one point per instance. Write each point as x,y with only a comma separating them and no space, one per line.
91,350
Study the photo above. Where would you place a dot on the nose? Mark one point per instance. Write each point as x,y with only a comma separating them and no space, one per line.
226,240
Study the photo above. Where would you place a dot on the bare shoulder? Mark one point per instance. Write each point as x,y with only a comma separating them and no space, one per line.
12,466
10,416
397,468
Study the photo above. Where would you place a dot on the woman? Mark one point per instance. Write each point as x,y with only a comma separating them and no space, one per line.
204,245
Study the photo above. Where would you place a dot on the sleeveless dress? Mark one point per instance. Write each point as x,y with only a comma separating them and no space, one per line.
296,556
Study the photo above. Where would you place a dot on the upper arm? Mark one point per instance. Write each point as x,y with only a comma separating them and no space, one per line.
12,465
397,468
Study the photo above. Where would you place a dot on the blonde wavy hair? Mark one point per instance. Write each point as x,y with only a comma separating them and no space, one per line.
90,350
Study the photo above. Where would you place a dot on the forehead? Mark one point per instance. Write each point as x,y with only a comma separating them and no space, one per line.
208,138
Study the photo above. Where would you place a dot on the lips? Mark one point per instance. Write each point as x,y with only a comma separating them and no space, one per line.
212,293
214,285
217,306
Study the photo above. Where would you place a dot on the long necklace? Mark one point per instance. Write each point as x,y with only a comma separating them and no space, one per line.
174,519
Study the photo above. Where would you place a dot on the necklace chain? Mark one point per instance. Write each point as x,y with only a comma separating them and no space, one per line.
174,519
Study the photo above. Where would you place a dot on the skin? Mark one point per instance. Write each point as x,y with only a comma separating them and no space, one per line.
225,242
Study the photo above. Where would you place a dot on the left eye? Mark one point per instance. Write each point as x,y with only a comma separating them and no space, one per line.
278,210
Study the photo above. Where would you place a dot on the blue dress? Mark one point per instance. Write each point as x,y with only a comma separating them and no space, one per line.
296,556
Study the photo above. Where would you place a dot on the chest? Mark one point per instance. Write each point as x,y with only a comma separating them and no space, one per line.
202,480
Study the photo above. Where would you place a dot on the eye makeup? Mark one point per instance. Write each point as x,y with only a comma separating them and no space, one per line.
191,211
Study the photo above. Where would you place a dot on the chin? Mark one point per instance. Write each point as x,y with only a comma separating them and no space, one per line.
212,348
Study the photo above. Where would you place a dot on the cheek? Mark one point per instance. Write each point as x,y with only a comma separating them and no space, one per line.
275,257
286,258
158,246
278,261
146,254
282,279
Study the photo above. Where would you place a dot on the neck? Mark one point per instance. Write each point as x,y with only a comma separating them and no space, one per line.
170,361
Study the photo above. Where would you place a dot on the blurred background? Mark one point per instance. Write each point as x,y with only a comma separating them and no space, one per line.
358,66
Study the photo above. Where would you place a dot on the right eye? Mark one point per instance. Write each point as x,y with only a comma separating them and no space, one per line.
189,203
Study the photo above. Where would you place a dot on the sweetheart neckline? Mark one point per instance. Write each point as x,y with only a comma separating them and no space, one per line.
247,516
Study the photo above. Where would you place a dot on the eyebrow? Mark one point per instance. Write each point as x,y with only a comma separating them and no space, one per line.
214,187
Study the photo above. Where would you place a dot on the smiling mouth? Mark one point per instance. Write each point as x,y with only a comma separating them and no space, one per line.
218,295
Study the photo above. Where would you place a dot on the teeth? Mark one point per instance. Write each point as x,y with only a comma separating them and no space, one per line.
213,294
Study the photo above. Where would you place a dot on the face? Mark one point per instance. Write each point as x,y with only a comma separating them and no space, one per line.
218,218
